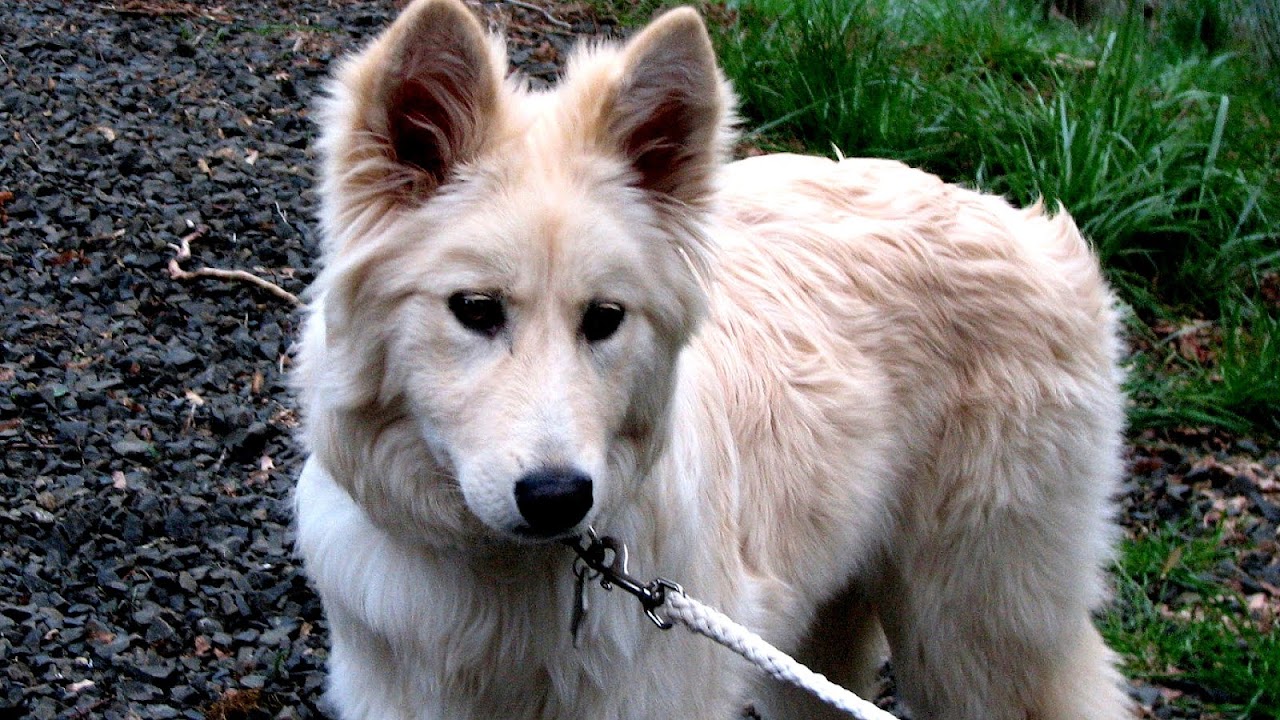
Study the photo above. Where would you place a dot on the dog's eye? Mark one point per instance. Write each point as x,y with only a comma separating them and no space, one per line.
479,312
601,320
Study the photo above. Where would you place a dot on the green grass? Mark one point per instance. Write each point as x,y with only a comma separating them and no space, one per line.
1178,625
1161,139
273,29
1237,390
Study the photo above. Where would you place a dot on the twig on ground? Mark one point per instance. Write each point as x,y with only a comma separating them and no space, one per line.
163,8
541,11
182,252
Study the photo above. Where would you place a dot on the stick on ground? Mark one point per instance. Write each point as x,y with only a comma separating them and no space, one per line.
183,252
542,11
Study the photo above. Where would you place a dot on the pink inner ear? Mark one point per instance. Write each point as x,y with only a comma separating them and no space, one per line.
434,110
659,145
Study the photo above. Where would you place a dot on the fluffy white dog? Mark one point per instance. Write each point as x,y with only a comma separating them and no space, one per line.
844,402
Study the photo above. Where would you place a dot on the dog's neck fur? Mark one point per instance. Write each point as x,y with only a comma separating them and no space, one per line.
474,642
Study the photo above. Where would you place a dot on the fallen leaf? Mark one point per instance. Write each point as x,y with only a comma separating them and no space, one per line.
234,703
47,500
1172,561
131,404
286,418
67,257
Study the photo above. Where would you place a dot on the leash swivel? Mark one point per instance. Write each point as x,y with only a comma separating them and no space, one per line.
605,559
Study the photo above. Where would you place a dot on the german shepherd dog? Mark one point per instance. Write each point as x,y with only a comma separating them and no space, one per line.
854,407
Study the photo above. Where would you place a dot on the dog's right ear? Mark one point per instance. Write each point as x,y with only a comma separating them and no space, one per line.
410,107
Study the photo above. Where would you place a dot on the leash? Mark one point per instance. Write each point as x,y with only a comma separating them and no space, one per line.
604,559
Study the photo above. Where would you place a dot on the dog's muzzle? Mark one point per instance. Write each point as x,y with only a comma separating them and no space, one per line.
552,501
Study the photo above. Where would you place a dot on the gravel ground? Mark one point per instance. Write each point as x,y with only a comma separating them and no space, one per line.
145,423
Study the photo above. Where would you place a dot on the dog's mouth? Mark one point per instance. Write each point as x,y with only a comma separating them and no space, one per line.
528,534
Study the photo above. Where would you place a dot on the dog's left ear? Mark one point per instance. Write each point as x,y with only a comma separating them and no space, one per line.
668,111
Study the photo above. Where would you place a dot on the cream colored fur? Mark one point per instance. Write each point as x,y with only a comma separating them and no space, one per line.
848,402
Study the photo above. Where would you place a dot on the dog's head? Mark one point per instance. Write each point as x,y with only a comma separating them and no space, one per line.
510,275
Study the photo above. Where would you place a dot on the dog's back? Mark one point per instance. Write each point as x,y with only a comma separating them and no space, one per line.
923,378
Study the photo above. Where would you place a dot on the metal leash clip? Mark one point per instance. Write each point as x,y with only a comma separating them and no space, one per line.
605,559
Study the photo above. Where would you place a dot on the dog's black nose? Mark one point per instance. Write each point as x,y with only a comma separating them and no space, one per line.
553,501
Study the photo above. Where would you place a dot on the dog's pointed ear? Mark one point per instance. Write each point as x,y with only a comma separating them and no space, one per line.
669,112
438,89
405,111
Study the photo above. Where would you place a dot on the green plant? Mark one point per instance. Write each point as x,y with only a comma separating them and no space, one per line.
1237,389
1177,623
633,13
1164,158
1198,24
823,70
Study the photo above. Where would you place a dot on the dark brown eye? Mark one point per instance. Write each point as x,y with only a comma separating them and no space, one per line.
601,320
478,312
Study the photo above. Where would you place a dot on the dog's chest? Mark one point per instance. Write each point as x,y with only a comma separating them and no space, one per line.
499,649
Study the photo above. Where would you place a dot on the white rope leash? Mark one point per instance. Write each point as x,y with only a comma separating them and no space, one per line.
605,559
709,622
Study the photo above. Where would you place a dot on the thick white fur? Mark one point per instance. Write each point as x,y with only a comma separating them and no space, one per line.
845,397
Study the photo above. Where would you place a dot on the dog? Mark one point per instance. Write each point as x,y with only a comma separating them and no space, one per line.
853,407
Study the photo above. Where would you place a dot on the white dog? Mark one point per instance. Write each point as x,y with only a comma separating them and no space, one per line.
843,402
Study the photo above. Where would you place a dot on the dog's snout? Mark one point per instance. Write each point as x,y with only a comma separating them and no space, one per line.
553,501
